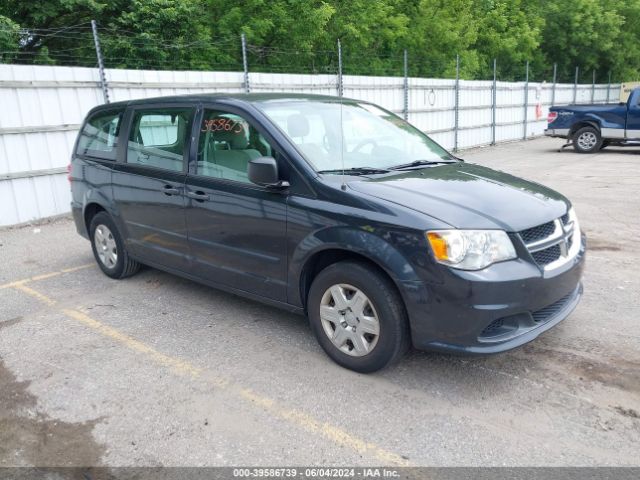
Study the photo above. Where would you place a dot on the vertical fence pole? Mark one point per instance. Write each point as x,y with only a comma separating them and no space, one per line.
493,103
406,86
340,91
103,77
456,106
526,100
553,88
593,87
609,86
245,64
575,85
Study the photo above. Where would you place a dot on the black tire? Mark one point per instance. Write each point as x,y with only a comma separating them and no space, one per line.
124,266
393,340
587,140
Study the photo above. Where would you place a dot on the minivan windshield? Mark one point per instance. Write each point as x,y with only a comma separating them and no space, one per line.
351,136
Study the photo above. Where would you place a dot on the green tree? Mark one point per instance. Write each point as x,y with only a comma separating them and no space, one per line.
9,39
510,34
624,61
163,34
301,35
50,27
440,30
584,33
283,35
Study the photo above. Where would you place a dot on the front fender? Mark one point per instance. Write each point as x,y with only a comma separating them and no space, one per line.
360,241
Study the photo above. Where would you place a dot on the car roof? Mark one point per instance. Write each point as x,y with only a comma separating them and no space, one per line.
239,98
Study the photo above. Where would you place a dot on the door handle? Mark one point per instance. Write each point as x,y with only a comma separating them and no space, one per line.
171,190
198,196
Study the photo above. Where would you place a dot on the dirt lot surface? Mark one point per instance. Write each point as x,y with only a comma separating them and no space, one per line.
156,370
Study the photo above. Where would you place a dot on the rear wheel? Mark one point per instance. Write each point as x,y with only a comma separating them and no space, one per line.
108,248
358,317
587,140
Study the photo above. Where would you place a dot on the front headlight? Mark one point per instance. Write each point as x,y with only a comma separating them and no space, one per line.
470,249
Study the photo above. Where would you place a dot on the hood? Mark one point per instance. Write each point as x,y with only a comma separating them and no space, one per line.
468,196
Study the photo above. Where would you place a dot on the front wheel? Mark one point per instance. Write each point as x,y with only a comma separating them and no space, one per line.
358,317
587,140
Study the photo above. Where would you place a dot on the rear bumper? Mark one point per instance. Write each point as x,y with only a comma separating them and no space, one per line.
493,310
557,132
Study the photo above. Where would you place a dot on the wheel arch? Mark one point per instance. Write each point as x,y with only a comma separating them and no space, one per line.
584,123
322,258
90,211
95,201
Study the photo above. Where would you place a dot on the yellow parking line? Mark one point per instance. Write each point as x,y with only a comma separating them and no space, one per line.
179,366
43,298
182,367
44,276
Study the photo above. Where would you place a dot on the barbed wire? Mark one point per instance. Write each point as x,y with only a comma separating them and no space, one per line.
124,48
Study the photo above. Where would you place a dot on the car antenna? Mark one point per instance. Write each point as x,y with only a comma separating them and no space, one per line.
344,184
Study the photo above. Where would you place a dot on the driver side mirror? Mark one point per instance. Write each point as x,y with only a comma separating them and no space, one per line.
263,171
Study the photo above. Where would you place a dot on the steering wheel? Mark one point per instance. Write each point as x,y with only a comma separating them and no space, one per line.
364,143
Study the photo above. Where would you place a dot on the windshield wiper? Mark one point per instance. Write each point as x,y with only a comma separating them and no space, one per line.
419,163
357,170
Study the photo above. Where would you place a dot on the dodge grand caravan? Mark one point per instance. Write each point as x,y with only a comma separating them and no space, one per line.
336,209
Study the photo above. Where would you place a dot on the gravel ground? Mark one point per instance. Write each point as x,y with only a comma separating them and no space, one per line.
156,370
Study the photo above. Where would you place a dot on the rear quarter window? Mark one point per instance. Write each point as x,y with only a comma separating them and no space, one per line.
99,135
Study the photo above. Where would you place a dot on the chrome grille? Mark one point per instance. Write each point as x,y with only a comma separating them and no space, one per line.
538,233
548,255
551,244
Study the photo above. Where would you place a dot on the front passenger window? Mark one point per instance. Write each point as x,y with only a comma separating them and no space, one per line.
158,138
227,144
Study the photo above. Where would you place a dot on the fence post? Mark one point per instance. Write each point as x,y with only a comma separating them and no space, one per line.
526,100
406,86
245,65
593,87
340,87
493,103
103,77
553,89
575,85
456,107
609,86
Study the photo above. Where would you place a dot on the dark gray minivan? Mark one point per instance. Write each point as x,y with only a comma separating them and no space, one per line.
332,208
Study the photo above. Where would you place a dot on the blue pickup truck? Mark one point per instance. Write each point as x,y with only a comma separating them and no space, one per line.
592,127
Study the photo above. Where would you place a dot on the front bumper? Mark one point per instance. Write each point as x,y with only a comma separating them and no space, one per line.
492,310
557,132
